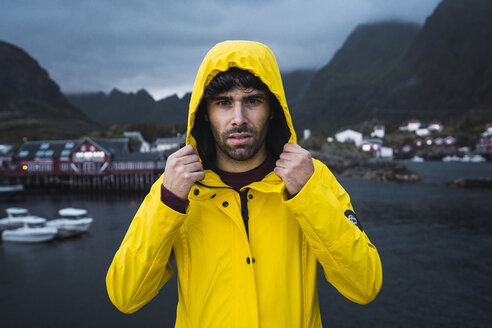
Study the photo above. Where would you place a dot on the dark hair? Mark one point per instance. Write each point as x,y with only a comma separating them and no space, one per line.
234,77
278,130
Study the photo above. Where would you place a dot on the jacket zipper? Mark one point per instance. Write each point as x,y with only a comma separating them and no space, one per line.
244,209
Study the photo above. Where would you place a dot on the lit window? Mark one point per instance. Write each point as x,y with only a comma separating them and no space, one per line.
23,153
69,145
40,153
45,146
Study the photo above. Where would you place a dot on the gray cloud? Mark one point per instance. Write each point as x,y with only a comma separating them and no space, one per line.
158,45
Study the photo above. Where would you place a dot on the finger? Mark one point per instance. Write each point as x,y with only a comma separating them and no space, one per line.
292,147
196,176
282,163
280,171
187,159
194,167
186,150
289,156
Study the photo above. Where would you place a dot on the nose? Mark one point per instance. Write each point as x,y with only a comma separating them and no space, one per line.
239,117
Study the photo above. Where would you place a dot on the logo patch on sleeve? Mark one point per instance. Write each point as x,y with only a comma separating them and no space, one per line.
353,218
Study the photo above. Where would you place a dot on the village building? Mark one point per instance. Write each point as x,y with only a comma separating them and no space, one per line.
422,132
450,140
349,136
144,145
376,148
378,132
101,163
484,145
306,134
488,128
168,144
435,126
413,125
371,146
5,149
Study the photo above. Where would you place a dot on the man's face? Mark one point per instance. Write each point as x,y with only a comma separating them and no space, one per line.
239,122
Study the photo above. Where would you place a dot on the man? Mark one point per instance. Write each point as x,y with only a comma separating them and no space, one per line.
244,210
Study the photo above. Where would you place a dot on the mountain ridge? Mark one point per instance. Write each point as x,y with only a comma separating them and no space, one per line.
31,103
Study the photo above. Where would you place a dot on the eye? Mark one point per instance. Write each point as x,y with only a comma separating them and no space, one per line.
223,103
253,101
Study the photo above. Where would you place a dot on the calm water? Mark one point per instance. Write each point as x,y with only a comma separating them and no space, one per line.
435,244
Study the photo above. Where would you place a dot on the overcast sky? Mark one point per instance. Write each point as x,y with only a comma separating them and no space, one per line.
98,45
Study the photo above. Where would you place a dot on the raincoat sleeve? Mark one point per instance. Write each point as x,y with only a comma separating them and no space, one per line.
142,264
350,262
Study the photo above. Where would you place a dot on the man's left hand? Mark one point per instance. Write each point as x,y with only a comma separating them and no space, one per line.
294,167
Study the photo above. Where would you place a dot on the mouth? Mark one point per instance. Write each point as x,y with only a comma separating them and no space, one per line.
239,138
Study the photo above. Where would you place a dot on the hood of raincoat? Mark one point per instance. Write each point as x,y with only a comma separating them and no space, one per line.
256,58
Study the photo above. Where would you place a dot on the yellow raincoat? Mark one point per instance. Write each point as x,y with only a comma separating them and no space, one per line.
226,279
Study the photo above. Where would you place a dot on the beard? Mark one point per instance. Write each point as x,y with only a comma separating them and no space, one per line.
240,152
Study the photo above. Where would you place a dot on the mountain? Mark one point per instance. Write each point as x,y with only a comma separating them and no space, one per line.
338,93
447,70
395,71
295,85
31,104
118,107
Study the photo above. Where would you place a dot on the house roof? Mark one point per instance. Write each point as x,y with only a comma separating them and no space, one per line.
348,131
113,145
164,141
46,148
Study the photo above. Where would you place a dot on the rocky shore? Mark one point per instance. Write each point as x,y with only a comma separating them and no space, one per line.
347,161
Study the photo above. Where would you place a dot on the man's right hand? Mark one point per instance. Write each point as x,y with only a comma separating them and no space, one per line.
183,169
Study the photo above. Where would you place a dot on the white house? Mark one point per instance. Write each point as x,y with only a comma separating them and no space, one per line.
435,126
422,132
378,132
386,152
349,136
164,144
413,125
306,134
450,140
5,148
145,146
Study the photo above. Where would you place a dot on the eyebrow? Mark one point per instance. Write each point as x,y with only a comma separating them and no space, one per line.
256,96
221,98
253,96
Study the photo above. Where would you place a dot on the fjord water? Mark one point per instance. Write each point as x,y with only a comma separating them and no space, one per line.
434,242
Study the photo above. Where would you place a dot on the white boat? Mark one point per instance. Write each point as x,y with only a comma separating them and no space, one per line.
28,234
74,221
17,217
466,158
417,159
477,159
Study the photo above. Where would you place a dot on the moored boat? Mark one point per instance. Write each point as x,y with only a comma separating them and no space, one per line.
17,217
28,234
74,221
